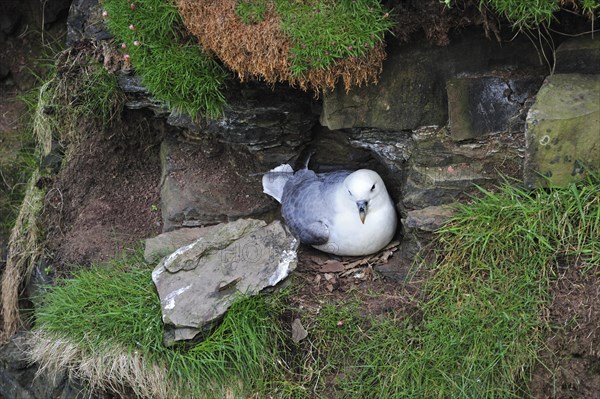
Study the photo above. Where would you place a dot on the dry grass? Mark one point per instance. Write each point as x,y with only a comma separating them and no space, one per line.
113,368
24,250
262,50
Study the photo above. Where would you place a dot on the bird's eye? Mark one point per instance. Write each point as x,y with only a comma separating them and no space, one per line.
373,187
350,192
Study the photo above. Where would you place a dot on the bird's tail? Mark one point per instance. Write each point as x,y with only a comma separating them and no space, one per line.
274,180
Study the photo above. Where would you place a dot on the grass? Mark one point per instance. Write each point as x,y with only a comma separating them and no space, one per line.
15,170
481,326
175,70
324,31
476,333
533,14
78,91
117,307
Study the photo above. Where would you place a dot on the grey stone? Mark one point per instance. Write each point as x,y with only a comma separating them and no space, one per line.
272,122
198,282
428,168
430,218
578,55
298,331
479,105
86,22
411,92
166,243
202,188
563,130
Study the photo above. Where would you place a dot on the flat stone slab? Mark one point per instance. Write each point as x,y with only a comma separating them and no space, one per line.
430,218
198,282
563,130
166,243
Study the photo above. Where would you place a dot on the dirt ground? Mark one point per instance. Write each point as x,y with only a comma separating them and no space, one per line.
107,197
573,348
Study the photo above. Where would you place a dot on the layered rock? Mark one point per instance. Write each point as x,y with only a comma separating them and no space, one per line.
411,92
198,282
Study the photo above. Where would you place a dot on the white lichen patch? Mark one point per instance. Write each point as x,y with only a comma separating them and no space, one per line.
169,301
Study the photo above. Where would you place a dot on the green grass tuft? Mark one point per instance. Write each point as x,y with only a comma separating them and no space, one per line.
177,72
533,14
478,333
117,307
323,31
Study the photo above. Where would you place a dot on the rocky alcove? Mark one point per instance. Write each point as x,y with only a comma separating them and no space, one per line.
446,117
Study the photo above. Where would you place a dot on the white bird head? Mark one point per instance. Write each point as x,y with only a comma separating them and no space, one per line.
366,189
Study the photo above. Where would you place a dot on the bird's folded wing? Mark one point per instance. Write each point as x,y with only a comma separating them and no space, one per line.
315,233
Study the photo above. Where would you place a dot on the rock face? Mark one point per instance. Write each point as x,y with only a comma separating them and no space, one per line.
563,130
86,22
198,282
411,92
272,123
204,184
580,55
488,104
429,168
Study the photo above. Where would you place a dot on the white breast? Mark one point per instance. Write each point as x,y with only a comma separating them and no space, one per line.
350,237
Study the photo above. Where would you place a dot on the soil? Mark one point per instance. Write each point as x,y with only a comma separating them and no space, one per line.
570,366
326,278
106,199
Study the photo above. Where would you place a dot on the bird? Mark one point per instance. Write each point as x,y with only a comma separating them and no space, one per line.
346,213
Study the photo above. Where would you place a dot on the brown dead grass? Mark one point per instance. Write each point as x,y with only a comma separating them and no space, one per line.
261,50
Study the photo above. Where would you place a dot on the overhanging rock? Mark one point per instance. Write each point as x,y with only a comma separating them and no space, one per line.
198,282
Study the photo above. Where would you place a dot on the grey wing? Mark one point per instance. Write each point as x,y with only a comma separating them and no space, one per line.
305,206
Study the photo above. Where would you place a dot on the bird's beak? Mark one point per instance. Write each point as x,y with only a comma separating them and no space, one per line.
362,210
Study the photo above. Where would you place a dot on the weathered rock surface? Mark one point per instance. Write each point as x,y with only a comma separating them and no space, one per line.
197,283
479,105
273,123
578,55
205,184
166,243
563,130
411,92
86,22
429,168
429,219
